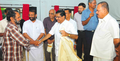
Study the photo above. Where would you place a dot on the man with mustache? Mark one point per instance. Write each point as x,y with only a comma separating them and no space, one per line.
106,36
89,21
12,46
48,23
81,33
33,29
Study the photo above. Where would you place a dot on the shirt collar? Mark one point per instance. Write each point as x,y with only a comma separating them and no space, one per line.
13,24
90,11
53,21
63,21
68,20
106,17
34,22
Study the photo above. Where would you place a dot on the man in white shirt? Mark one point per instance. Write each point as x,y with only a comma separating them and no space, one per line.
68,15
61,28
106,36
81,33
33,29
3,24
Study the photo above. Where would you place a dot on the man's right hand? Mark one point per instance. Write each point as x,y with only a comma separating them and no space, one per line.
91,14
49,41
36,43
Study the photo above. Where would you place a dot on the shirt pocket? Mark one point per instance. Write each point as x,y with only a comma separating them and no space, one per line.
38,29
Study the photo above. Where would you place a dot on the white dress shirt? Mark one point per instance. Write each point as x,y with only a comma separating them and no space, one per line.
67,26
103,39
33,30
73,22
77,18
3,25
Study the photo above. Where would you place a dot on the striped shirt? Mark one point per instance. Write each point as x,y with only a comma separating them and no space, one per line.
13,43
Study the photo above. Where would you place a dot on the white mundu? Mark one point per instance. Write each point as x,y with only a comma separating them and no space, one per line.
34,30
102,43
3,25
67,26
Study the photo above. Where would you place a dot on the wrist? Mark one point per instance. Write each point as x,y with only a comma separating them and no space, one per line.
117,44
68,35
75,44
89,16
37,40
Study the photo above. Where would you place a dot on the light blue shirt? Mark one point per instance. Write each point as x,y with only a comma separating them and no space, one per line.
93,22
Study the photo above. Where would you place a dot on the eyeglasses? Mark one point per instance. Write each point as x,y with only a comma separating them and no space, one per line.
58,16
51,13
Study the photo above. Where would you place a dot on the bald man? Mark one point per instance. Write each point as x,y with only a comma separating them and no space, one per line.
48,23
106,36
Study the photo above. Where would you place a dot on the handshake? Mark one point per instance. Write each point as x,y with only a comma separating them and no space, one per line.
36,43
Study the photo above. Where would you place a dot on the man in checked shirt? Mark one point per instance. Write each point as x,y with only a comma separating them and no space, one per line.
13,39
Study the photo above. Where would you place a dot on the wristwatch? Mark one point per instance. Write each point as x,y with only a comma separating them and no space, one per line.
69,35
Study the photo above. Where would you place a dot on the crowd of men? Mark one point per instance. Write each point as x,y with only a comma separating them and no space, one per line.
93,30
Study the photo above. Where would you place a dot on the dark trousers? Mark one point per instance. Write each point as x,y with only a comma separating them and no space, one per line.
47,54
80,42
87,46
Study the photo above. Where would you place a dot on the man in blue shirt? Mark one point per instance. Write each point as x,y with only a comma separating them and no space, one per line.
89,21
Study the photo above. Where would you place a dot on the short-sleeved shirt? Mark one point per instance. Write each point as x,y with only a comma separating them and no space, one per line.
65,25
73,22
33,30
103,39
48,25
77,18
3,25
93,22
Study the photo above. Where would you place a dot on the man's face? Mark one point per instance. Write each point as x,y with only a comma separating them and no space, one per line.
100,11
60,18
32,16
68,14
80,9
17,17
93,4
51,14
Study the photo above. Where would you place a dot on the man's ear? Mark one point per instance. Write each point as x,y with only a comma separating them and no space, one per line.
70,14
36,15
84,8
11,18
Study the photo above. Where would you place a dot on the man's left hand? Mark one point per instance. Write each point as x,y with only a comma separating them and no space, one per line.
63,33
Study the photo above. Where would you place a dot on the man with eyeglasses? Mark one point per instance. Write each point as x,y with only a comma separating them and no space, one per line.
48,23
61,28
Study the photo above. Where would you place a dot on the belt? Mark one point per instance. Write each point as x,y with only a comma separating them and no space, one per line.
81,30
90,31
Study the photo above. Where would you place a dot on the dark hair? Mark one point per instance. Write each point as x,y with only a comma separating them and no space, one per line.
82,4
62,13
7,9
15,10
33,9
68,10
104,5
10,14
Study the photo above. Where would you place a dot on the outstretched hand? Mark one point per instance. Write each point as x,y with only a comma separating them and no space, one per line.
40,42
36,43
